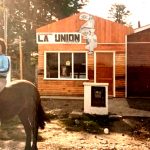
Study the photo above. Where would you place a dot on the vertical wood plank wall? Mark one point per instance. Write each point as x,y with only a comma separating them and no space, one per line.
110,37
138,64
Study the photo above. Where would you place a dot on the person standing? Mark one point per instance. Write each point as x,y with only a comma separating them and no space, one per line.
4,65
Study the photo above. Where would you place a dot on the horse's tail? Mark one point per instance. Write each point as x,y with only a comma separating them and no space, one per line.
42,117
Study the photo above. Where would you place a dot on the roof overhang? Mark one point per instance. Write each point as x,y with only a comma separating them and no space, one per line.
142,28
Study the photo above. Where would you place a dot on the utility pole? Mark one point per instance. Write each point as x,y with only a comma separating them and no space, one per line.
21,61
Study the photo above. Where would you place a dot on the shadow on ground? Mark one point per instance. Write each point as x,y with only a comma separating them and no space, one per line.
12,129
139,103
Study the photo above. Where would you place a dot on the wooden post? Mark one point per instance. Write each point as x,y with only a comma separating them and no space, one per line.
5,12
21,59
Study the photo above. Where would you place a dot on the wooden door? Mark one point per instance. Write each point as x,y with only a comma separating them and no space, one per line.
104,70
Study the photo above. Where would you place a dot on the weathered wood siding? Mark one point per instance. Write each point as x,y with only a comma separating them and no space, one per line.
110,37
138,64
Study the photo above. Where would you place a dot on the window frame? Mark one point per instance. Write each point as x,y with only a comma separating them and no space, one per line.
72,53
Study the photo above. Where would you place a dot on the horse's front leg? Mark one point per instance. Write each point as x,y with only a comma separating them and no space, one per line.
25,121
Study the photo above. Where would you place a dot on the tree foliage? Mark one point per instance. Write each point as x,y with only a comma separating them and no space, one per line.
25,16
119,13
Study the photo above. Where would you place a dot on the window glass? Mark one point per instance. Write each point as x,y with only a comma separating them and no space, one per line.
79,65
65,65
59,65
52,65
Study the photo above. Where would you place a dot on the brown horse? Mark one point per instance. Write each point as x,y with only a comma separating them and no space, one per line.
22,98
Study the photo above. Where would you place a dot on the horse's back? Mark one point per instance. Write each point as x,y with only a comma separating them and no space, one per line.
17,86
19,82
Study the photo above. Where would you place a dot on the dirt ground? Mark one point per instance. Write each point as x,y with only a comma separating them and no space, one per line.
69,129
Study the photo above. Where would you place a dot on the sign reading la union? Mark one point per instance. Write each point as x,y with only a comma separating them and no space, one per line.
58,38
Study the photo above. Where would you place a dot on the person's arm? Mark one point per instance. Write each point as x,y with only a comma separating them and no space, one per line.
5,67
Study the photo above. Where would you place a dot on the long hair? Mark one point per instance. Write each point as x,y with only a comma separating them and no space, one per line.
2,43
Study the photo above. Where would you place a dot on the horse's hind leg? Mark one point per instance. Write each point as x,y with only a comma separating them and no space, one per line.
35,136
27,126
34,124
32,119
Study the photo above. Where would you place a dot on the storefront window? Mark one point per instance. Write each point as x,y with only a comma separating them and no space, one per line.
67,65
52,65
79,65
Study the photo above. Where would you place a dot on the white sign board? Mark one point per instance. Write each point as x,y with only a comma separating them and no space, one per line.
58,38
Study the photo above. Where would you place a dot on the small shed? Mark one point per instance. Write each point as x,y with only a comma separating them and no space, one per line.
81,48
138,63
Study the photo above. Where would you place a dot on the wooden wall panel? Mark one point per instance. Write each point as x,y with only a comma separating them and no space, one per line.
142,36
107,31
91,68
138,64
120,74
65,87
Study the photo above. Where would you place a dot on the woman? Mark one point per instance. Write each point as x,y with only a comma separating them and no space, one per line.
4,65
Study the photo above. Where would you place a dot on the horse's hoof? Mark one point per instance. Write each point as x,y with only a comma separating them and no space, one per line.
34,148
28,148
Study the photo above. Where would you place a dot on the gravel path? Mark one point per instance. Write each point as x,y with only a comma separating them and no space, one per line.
56,135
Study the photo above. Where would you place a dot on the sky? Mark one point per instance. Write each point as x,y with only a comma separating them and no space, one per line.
140,10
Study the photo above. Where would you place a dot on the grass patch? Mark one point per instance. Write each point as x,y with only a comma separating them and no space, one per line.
87,123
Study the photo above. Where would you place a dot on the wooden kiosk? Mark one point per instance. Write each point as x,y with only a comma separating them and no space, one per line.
81,48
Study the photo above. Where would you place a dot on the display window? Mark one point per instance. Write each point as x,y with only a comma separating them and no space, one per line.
65,65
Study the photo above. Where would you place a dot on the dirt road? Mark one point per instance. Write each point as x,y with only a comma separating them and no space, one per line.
66,132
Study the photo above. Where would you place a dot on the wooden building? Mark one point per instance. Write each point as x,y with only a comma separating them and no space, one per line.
138,63
81,48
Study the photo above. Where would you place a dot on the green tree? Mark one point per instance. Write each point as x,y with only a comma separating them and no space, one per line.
25,16
119,13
